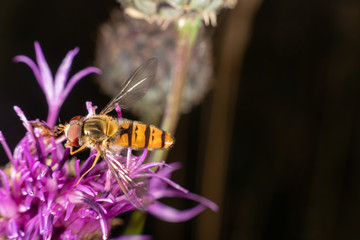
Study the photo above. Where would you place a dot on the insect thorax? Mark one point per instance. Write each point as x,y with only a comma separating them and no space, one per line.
98,128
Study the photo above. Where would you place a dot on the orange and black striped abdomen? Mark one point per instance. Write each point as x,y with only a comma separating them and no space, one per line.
140,135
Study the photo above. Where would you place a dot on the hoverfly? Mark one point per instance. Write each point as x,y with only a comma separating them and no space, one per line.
105,133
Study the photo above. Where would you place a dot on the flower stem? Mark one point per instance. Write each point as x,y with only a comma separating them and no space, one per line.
136,223
53,112
187,30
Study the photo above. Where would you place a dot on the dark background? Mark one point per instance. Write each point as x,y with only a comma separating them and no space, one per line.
275,143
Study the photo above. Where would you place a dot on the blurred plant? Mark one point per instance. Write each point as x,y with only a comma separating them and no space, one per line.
37,194
172,32
124,43
168,11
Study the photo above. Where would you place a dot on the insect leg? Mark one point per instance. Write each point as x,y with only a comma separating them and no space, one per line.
93,165
77,150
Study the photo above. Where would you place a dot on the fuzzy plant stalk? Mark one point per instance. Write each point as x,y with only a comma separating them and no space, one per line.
187,30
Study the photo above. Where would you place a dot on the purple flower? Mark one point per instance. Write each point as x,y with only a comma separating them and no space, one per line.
55,89
38,192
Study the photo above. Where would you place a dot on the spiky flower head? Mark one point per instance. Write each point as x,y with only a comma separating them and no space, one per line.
123,44
168,11
38,192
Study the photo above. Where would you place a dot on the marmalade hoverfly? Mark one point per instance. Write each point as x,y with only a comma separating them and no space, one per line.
105,134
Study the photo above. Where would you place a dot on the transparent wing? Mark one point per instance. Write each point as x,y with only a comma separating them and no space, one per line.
135,87
135,191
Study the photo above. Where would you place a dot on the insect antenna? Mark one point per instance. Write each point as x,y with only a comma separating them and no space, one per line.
59,129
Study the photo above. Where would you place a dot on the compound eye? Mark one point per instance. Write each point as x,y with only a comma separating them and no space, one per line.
73,135
76,118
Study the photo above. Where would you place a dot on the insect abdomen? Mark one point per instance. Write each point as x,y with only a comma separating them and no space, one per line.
140,135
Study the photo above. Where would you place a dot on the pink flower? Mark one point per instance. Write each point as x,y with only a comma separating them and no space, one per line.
38,199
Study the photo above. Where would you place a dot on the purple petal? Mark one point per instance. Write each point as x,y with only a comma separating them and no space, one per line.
46,76
108,180
8,207
91,109
157,183
13,231
120,207
32,227
77,167
133,237
69,209
34,68
94,206
27,202
100,199
141,158
166,180
54,155
85,189
4,184
48,227
63,71
170,214
191,196
148,166
6,147
53,112
74,79
118,110
23,118
67,235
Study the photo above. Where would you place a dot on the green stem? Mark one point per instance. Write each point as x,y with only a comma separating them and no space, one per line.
136,224
187,30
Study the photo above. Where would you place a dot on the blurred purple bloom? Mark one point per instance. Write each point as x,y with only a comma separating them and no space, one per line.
55,89
38,199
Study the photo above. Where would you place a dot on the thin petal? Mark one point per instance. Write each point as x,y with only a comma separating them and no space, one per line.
91,109
63,71
85,189
118,110
74,79
45,72
148,166
69,209
23,118
13,230
53,112
141,158
4,184
191,196
28,127
166,180
94,206
6,147
34,68
8,207
133,237
170,214
48,230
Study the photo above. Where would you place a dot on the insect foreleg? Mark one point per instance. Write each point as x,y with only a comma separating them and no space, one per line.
93,165
77,150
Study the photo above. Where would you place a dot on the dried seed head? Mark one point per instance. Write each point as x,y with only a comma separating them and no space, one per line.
123,44
165,12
